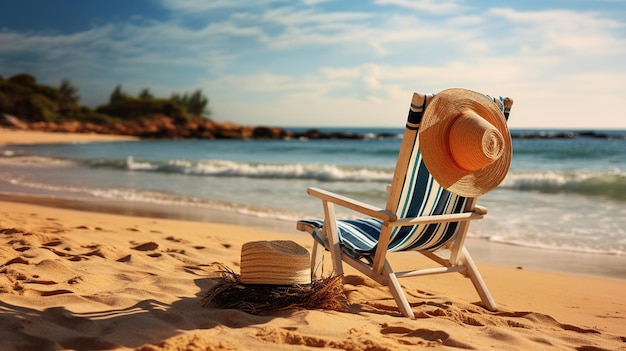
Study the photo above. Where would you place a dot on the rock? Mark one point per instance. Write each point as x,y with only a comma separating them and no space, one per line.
270,133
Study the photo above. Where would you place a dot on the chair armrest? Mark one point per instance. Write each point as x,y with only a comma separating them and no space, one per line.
352,204
457,217
480,210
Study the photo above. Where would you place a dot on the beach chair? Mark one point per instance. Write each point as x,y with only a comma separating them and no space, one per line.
431,199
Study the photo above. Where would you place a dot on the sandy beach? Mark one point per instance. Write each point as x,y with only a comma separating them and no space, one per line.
8,137
89,280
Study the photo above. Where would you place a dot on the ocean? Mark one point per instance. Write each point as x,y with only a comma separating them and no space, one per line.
561,194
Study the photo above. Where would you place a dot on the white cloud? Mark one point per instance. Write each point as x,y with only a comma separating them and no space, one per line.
580,33
288,16
314,2
196,7
427,6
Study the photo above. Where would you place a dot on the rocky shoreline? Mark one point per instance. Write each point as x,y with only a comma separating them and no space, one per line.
164,127
566,135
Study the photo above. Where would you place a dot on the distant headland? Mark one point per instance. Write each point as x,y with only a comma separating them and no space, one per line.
26,104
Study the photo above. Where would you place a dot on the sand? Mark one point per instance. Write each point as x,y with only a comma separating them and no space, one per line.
9,136
82,280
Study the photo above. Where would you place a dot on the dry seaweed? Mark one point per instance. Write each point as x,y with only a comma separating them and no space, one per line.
229,292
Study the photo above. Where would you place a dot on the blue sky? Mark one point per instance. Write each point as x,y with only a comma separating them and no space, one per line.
332,63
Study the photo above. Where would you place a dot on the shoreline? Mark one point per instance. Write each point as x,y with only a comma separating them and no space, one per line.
482,250
26,137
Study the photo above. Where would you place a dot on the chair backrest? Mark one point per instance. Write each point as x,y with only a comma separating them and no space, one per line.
414,192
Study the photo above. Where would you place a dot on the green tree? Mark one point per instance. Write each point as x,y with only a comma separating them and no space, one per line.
68,93
195,104
24,79
145,94
117,95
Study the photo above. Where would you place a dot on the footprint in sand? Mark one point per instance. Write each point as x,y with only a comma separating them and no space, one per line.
96,252
149,246
195,270
289,337
10,231
124,259
60,253
16,260
23,284
421,336
176,240
57,229
42,282
55,292
75,280
282,336
55,242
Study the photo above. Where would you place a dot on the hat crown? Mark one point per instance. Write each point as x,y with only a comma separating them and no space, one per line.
474,142
275,262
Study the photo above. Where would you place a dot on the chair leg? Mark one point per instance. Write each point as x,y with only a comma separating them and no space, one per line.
330,228
397,292
478,281
317,266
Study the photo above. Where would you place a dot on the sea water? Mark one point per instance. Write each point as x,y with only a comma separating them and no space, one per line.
565,194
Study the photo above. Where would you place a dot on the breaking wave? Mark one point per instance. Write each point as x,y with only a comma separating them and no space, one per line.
611,185
220,168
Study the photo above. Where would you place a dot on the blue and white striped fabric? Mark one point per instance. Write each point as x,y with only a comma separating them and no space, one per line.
420,196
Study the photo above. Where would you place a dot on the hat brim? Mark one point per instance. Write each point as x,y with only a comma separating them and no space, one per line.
441,112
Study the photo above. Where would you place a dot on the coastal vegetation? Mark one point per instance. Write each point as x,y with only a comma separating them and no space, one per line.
21,95
27,104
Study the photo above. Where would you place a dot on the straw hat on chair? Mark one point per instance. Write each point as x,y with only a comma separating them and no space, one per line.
465,142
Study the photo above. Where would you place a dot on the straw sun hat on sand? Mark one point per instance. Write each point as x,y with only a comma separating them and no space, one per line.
274,275
278,262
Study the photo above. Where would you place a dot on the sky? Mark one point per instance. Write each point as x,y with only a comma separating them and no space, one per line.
318,63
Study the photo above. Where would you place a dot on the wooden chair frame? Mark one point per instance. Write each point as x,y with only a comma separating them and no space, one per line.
459,259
